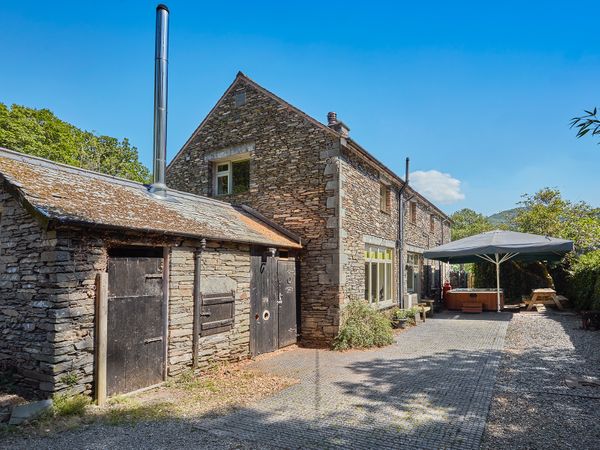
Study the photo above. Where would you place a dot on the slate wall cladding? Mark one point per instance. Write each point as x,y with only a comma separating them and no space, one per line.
224,268
293,163
47,293
26,294
363,217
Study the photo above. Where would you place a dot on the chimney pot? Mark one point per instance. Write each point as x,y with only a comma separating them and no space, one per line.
337,125
331,118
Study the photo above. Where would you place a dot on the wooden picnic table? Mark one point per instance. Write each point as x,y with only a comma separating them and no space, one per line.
542,296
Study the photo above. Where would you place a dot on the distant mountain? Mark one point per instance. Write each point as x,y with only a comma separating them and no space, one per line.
504,217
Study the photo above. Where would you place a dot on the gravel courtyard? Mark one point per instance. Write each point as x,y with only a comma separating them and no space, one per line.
432,389
533,406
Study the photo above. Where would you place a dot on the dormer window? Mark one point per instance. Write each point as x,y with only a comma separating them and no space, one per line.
231,177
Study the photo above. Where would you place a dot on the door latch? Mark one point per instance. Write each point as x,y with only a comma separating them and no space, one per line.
155,339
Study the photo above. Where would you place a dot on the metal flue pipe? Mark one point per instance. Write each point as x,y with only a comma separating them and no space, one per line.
158,187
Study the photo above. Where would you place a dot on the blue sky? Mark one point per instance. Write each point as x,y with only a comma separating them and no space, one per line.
480,91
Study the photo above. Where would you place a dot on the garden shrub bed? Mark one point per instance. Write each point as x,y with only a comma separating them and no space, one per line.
363,327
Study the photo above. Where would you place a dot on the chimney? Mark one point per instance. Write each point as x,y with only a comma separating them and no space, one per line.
158,187
337,125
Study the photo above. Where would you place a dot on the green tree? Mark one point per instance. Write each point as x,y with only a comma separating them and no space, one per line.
589,123
547,213
39,132
467,222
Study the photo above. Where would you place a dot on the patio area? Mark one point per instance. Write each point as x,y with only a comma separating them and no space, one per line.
491,380
431,389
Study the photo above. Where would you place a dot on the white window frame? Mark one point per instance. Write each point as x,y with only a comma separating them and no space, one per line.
380,257
225,173
412,260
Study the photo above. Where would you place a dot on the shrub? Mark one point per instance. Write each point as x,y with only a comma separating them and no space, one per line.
585,281
70,405
363,327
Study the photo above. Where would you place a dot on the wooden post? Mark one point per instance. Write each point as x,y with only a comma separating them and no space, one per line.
101,331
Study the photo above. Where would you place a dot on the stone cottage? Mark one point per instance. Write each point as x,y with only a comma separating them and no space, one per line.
363,228
105,288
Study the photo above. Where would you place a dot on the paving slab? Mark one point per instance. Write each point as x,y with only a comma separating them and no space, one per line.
431,389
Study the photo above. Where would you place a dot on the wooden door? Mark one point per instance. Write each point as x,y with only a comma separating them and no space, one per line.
286,283
135,357
264,306
273,304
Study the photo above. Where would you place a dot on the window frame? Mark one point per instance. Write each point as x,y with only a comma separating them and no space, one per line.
229,174
432,223
412,213
413,262
385,204
379,265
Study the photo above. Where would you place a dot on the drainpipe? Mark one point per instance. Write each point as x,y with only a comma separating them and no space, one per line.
197,302
401,237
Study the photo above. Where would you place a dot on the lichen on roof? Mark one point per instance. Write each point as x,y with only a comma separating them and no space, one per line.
69,195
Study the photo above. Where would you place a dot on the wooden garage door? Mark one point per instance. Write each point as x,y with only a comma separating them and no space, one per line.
135,357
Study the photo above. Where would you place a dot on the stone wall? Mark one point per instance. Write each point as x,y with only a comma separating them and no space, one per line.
364,222
418,236
292,177
47,296
224,267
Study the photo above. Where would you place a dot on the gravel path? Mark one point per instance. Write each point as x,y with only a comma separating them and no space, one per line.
533,407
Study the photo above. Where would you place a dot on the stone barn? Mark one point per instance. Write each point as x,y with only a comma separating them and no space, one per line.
106,289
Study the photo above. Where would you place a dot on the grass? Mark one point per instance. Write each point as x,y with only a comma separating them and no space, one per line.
70,405
217,390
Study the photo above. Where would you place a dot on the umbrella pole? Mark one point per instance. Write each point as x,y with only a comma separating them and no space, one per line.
498,281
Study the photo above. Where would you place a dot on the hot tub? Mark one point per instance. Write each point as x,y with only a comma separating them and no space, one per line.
487,297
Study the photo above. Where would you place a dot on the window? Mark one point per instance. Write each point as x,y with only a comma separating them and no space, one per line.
431,223
413,212
384,198
232,177
378,273
412,271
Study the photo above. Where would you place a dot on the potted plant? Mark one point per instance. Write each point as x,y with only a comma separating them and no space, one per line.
400,318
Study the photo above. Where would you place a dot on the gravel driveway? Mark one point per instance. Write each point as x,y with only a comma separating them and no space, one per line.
533,406
431,389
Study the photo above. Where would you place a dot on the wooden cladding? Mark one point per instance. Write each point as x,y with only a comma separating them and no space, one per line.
217,313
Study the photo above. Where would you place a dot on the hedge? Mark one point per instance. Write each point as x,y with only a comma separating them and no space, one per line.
584,289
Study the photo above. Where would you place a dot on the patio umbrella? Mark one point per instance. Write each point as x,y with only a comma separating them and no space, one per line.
499,246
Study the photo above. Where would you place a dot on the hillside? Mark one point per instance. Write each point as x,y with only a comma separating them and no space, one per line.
503,217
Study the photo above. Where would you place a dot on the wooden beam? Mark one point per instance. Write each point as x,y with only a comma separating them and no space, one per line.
101,332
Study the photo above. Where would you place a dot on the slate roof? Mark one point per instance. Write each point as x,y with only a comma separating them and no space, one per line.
72,196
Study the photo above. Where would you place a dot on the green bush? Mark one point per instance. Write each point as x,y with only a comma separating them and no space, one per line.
363,327
70,405
585,281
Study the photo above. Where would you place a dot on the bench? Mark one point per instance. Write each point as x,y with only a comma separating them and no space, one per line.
423,310
472,307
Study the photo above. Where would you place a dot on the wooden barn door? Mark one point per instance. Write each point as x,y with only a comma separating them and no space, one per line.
273,304
135,357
